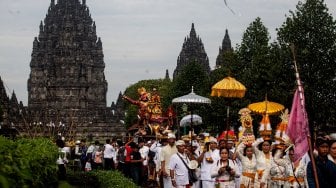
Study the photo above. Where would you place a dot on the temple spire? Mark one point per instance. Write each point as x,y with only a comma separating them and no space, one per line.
192,31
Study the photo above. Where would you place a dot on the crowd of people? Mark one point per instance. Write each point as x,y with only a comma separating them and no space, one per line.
201,162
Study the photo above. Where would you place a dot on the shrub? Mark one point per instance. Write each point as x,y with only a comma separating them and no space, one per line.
28,162
99,178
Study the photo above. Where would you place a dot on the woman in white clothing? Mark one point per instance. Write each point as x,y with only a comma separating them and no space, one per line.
276,173
262,150
249,165
295,171
224,171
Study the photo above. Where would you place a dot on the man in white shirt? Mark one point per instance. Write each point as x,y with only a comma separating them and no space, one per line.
178,170
166,152
109,155
144,150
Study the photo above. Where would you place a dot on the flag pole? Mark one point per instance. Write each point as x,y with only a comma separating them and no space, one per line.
292,47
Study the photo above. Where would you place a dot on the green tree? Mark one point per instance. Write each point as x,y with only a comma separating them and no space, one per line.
254,56
313,31
194,75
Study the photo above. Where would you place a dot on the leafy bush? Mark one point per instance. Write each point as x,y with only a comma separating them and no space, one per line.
99,178
28,162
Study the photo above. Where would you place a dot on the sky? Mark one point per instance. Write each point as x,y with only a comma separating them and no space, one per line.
141,38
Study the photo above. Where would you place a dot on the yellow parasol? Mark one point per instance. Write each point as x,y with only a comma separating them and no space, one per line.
228,87
266,107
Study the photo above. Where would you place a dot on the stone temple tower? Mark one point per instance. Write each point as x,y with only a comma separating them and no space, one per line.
67,81
192,50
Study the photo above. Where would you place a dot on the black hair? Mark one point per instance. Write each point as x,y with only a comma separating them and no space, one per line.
244,151
322,140
60,143
108,141
260,145
224,148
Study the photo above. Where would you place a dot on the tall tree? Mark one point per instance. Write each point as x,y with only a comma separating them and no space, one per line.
313,31
254,56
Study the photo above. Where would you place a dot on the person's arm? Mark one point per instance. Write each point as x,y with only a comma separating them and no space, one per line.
172,165
255,146
310,176
172,177
163,164
280,161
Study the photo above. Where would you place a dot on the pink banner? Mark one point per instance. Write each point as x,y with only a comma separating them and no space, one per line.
298,128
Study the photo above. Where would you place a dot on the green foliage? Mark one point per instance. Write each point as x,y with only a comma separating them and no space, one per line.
313,31
192,74
100,178
28,162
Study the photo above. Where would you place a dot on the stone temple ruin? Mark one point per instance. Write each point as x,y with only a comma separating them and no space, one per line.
67,86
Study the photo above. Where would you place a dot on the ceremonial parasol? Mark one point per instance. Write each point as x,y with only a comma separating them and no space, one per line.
266,107
229,88
186,120
191,98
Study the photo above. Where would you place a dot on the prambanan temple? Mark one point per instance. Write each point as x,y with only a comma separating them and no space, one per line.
67,86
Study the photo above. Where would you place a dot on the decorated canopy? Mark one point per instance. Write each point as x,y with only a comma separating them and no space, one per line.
228,87
266,107
191,98
192,118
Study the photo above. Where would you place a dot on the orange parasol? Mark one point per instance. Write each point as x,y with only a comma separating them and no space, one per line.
228,87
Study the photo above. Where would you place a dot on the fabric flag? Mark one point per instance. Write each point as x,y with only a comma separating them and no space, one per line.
298,129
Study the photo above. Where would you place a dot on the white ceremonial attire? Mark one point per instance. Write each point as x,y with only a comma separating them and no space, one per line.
263,163
296,177
276,174
180,170
225,180
207,180
166,153
249,167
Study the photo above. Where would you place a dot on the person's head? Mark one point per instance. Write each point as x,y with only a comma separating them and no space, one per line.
333,148
141,143
132,145
180,145
108,141
224,154
291,154
171,140
83,142
229,144
222,143
322,146
248,151
213,143
164,141
265,146
135,148
96,143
